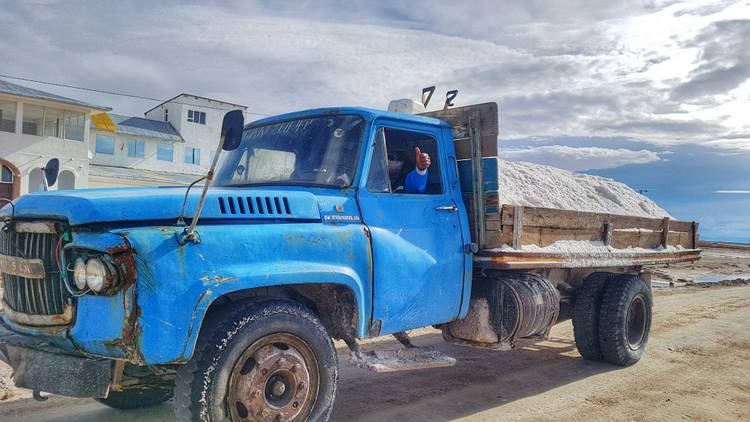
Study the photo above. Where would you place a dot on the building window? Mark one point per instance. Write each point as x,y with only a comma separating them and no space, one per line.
43,121
7,174
66,180
74,125
166,115
165,152
136,149
7,116
36,181
196,116
53,122
192,156
33,117
105,145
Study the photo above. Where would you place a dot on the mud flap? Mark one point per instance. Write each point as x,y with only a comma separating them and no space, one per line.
401,359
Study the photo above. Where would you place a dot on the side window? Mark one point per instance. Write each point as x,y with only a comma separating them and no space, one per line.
399,170
377,180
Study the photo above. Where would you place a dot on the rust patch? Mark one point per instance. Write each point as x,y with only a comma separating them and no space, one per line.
124,257
217,279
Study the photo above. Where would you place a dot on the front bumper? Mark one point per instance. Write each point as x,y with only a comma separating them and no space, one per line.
38,365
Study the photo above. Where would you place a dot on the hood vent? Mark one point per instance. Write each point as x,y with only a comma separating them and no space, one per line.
255,205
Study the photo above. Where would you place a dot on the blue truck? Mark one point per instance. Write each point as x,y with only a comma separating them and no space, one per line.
228,297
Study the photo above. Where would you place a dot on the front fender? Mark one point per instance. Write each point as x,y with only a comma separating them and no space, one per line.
177,284
268,275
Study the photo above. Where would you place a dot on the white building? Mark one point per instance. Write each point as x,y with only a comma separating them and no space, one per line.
174,144
36,126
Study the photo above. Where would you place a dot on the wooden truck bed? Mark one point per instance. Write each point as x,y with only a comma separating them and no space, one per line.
573,239
520,237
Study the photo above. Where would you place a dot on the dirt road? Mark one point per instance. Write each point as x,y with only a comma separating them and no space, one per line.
696,368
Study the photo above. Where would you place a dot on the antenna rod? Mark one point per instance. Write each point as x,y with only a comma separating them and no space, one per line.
189,233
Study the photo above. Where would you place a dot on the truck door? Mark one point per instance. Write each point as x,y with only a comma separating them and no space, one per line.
417,241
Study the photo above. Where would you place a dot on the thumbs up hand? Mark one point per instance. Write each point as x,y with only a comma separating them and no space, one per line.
423,160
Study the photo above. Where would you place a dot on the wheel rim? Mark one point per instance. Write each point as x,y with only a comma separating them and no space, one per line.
275,379
636,322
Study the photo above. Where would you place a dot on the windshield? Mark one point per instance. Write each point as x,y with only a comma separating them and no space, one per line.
318,151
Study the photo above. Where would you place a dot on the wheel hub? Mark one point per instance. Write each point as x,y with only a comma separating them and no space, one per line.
275,379
636,322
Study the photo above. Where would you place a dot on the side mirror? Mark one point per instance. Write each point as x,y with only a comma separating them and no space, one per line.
231,129
51,170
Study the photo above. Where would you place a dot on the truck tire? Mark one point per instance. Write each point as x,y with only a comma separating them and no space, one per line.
270,360
135,399
586,315
625,320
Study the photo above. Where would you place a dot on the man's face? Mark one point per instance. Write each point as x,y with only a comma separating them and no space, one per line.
395,164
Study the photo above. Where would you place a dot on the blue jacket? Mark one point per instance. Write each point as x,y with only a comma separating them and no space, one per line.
415,182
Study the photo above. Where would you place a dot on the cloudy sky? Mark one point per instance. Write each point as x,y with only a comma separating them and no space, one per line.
596,86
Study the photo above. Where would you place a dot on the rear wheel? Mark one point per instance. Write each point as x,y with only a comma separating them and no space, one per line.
586,315
271,360
625,320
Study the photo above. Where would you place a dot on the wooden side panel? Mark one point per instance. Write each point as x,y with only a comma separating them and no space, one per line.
544,226
458,117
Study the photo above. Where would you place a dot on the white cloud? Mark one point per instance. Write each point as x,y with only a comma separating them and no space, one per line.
592,69
733,192
580,159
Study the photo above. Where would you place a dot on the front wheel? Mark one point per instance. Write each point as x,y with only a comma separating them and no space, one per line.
271,360
625,320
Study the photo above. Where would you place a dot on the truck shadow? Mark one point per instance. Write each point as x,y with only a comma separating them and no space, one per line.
480,380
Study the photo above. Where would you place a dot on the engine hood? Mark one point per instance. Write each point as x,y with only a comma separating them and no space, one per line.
88,206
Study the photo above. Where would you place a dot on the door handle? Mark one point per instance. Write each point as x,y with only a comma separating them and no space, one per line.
449,208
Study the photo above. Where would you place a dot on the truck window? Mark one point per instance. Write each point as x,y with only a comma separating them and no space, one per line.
315,151
394,160
263,165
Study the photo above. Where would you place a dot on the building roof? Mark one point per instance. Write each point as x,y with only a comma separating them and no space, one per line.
244,107
23,91
165,177
138,126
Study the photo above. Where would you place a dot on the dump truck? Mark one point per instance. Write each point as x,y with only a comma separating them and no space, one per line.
229,296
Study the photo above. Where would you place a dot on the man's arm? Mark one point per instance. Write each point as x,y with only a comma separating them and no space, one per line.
416,180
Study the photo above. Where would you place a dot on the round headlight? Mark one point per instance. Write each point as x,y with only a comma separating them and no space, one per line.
95,274
79,273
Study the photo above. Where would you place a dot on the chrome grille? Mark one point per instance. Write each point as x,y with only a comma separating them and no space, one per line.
48,296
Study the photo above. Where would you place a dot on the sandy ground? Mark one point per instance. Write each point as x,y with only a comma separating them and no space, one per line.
696,368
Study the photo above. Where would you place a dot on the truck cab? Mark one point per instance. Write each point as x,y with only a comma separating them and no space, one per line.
304,212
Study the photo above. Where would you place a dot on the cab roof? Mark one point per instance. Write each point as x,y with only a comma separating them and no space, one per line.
368,114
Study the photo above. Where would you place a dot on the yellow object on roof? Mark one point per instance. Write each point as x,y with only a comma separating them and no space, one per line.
102,121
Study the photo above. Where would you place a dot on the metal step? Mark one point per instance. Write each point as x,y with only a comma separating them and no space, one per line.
401,359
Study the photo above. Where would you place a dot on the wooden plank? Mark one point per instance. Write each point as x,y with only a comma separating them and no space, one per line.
665,232
458,117
517,227
608,232
550,217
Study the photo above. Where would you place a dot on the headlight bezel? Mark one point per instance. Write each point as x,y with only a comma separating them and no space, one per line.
111,275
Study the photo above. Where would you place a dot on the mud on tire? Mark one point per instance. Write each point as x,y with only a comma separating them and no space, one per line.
586,315
238,344
625,320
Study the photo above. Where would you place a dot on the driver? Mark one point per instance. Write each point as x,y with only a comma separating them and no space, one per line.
414,181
